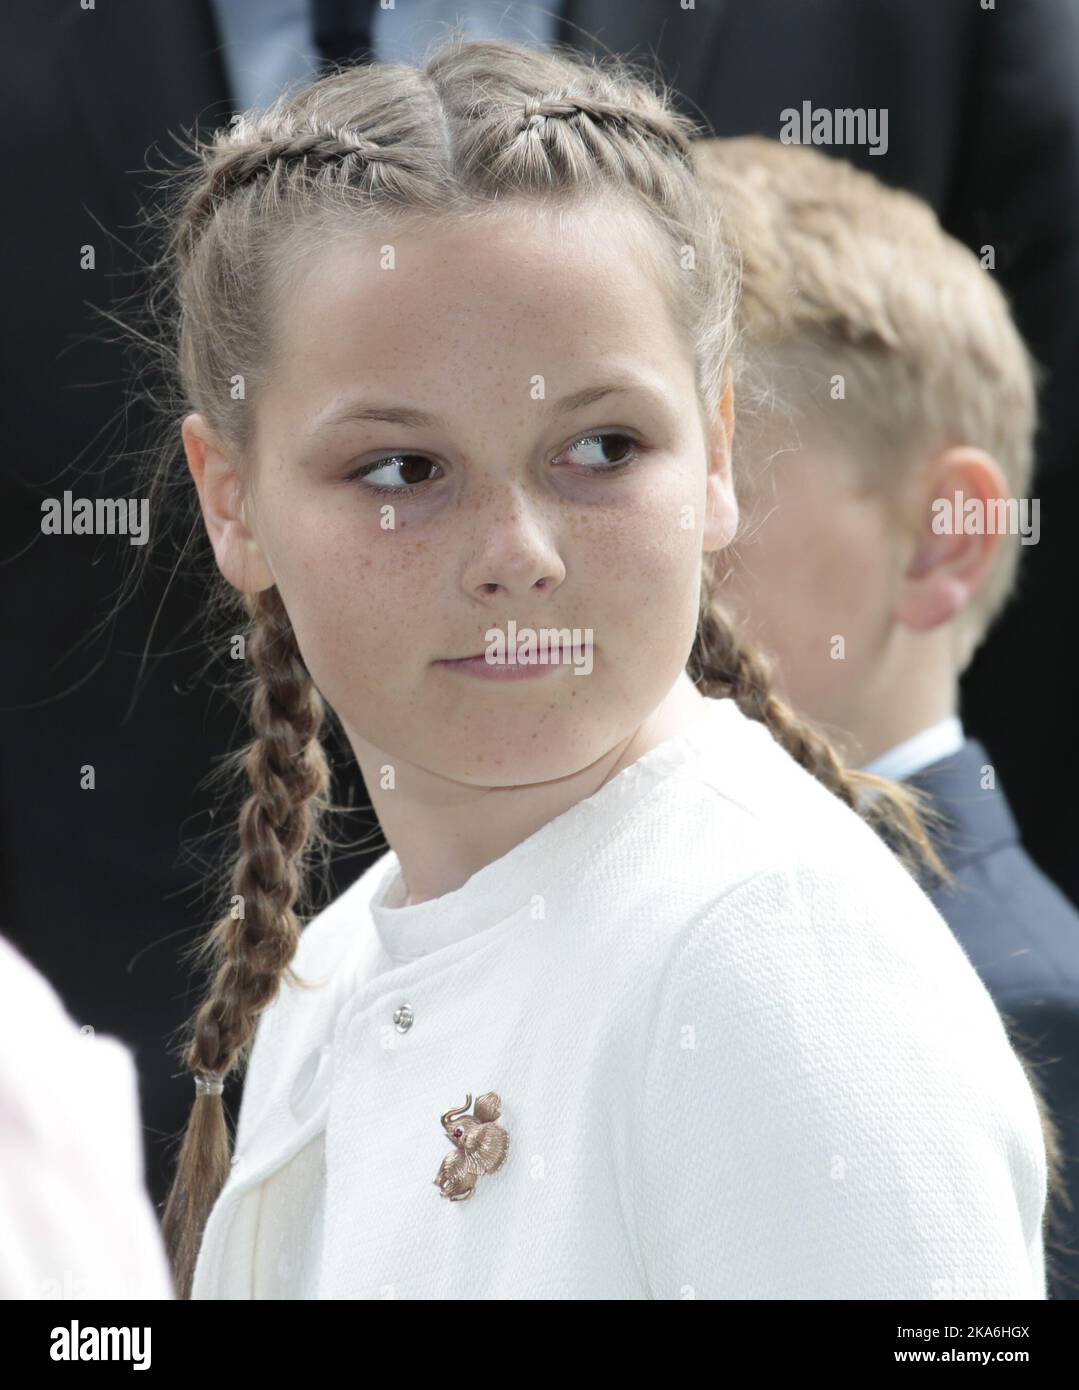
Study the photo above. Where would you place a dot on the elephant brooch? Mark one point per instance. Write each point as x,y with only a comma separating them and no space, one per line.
479,1146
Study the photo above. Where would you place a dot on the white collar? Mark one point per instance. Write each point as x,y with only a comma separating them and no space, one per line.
928,746
508,884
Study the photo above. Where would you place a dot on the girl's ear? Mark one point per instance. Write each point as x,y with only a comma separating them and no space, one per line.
721,514
236,550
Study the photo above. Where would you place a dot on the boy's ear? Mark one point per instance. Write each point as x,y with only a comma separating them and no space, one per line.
721,513
953,556
218,482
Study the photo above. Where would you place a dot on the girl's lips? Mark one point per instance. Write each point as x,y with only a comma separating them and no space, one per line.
480,667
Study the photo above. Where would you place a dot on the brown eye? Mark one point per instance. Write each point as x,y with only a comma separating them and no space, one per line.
589,450
412,467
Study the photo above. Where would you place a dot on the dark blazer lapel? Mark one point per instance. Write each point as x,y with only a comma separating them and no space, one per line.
979,818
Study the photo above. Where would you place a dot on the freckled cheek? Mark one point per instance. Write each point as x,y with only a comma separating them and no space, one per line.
355,599
383,590
644,576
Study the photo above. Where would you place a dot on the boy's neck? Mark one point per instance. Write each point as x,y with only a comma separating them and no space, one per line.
871,741
912,685
888,717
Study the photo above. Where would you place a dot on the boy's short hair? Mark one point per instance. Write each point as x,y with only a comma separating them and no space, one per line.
845,277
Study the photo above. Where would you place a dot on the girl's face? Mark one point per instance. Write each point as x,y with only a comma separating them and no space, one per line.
445,365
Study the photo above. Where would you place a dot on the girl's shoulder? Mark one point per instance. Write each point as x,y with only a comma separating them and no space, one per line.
758,787
760,884
738,806
837,1070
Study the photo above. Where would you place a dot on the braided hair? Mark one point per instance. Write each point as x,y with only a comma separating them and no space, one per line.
480,124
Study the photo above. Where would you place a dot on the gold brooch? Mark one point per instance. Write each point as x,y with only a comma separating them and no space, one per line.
479,1146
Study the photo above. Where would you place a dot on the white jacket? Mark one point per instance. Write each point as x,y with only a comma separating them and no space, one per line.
738,1054
76,1221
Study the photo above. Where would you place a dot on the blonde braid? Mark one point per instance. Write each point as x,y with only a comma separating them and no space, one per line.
659,126
290,778
262,149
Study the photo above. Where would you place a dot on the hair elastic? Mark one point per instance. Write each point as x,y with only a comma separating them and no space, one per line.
208,1085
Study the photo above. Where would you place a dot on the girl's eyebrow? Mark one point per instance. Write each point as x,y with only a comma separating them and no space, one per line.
356,411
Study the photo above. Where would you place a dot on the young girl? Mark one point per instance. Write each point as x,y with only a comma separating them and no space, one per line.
636,1005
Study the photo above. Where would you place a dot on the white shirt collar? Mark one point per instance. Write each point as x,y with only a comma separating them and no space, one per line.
929,746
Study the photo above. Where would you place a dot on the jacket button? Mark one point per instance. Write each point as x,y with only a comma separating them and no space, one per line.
403,1018
312,1082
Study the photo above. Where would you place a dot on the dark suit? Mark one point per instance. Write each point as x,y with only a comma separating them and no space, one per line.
1022,936
92,887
